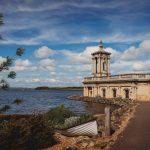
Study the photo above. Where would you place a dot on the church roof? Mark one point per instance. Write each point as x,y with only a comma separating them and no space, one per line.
101,49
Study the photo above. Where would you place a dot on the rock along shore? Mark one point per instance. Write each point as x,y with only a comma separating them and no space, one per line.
119,120
109,101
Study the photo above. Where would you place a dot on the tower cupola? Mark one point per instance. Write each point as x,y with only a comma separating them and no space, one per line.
101,62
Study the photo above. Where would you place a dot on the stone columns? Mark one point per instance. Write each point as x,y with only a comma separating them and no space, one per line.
120,94
100,65
108,94
108,66
92,92
93,65
98,91
86,91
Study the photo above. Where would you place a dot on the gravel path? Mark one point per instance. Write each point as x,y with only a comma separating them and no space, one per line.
137,134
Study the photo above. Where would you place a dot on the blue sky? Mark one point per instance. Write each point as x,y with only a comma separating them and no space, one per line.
59,36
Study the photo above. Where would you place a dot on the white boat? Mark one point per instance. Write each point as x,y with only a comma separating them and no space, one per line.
89,128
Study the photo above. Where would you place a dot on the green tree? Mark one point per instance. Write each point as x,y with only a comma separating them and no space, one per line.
7,63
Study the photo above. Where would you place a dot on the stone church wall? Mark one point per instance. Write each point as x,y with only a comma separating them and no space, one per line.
143,92
140,91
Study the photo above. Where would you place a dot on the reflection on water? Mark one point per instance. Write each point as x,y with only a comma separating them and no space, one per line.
41,101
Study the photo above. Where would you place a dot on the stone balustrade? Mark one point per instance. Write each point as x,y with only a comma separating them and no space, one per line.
118,77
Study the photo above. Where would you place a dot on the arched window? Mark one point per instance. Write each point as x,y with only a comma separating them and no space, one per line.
104,66
90,91
126,93
114,92
96,64
104,92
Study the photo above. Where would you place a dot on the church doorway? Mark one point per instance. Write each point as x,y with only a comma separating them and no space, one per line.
114,93
90,91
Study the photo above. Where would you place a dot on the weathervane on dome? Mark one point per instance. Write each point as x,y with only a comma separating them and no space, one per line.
100,44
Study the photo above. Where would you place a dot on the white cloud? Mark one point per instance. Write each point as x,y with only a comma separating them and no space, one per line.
83,57
35,80
39,80
133,59
84,68
141,66
23,41
47,62
89,50
25,63
131,53
76,68
53,73
80,63
74,57
43,80
145,46
32,6
23,68
44,52
114,53
120,66
126,61
2,59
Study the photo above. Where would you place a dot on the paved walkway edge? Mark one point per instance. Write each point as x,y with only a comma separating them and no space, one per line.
126,119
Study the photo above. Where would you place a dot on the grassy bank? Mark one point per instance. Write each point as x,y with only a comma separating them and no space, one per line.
28,132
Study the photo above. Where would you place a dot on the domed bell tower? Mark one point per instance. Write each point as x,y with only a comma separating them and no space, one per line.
101,62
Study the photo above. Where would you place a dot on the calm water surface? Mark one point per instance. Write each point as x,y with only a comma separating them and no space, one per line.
41,101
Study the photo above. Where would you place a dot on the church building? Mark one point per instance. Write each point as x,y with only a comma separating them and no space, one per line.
134,86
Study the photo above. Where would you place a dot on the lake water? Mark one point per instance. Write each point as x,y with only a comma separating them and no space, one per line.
40,101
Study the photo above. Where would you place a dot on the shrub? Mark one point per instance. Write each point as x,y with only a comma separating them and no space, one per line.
57,115
71,121
61,117
26,134
17,101
84,118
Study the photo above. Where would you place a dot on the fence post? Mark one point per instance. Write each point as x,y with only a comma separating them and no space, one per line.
107,120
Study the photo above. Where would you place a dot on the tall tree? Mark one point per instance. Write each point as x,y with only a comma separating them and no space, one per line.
7,63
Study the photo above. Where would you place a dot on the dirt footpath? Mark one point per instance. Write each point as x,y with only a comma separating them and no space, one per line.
137,134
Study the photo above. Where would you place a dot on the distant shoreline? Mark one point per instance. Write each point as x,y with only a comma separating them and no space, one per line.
49,88
60,88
